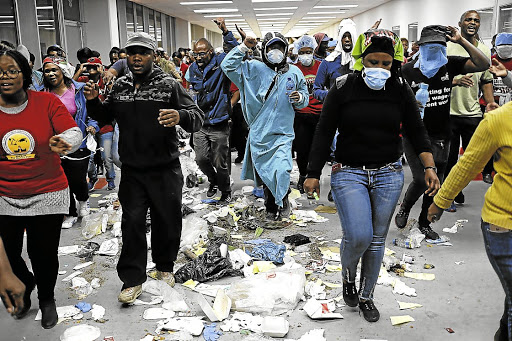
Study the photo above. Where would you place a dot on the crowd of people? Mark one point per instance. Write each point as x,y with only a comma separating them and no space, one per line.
352,101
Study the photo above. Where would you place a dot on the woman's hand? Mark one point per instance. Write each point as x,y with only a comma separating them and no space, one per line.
497,68
432,182
295,96
59,145
434,213
91,90
312,185
11,292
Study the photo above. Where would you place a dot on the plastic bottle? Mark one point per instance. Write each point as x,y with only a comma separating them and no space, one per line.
403,242
192,93
422,97
290,86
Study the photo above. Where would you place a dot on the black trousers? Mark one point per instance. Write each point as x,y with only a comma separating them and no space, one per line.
239,130
304,126
160,190
76,173
463,129
43,236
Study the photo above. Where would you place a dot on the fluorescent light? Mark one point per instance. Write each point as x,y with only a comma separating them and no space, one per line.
272,0
336,6
305,18
270,14
274,8
216,10
223,15
191,3
236,20
6,16
277,22
336,12
45,20
6,22
44,7
313,21
267,19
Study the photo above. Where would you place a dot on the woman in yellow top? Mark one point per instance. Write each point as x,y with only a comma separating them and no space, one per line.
493,136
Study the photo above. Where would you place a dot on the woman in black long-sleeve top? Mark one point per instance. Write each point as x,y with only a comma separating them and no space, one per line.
368,109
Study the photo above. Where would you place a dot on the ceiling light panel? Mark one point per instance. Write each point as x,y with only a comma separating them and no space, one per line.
270,14
336,6
193,3
223,15
274,8
216,10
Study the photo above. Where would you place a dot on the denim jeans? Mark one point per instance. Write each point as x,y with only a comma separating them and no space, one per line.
115,148
211,145
366,200
106,154
440,150
498,246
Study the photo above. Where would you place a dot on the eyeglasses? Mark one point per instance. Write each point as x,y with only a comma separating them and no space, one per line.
200,54
10,73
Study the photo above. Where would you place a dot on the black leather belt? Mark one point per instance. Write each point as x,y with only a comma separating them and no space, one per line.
371,166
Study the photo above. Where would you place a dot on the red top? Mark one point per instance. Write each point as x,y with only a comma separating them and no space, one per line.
27,165
183,69
314,106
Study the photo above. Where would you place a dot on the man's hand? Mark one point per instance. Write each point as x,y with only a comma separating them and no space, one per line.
376,25
454,36
465,81
91,90
434,213
11,292
491,106
250,42
497,68
432,181
312,185
295,96
59,145
241,32
168,117
221,23
108,76
91,130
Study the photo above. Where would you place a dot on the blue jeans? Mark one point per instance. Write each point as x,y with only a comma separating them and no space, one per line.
498,246
115,149
366,200
106,142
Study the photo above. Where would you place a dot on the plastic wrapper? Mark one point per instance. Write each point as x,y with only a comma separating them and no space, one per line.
91,225
209,266
192,230
83,332
272,292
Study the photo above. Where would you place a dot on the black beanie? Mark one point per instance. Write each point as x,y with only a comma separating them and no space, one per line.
380,44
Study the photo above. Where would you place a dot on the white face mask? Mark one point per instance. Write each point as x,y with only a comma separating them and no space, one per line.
275,56
504,51
306,59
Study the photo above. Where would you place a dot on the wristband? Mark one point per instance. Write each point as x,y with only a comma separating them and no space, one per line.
430,167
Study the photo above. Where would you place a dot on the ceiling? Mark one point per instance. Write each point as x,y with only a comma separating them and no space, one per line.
292,18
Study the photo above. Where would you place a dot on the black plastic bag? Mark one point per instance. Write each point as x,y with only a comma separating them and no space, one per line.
209,266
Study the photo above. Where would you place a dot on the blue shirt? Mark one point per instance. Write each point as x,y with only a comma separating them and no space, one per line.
326,76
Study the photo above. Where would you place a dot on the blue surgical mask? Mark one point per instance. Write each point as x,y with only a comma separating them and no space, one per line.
275,56
376,77
432,58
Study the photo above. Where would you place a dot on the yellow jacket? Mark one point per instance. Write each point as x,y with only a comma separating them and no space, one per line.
493,135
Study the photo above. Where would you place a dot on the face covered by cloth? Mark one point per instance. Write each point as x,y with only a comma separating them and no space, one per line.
432,58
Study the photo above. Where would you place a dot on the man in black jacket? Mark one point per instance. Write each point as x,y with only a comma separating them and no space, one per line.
147,106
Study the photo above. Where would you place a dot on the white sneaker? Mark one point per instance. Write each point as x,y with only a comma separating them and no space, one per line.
84,208
68,222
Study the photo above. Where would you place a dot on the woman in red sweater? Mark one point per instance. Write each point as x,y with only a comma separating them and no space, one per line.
34,195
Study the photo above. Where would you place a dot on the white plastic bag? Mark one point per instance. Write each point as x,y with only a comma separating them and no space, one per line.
82,332
272,292
91,225
193,229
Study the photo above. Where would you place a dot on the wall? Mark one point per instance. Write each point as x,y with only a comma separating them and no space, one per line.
181,34
96,27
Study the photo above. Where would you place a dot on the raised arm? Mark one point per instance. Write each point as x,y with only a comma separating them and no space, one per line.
477,61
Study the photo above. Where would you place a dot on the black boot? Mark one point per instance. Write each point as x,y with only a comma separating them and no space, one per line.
350,294
49,314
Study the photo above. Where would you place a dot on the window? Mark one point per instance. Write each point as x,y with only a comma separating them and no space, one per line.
152,23
505,19
7,22
130,20
413,32
140,18
71,9
46,14
396,30
485,31
158,18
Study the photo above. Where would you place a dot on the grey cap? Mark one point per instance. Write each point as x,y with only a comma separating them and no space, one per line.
141,39
24,51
